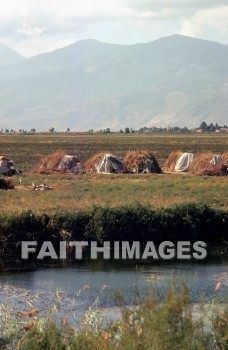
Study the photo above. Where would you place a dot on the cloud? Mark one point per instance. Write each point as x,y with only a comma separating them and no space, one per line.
28,30
215,18
122,21
186,7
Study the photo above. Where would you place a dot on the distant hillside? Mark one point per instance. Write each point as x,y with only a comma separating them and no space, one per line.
175,80
9,56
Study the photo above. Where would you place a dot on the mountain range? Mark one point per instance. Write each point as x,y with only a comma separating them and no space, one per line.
175,80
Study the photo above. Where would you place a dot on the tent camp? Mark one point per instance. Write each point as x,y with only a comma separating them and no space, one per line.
178,162
7,167
199,164
104,163
61,163
209,164
141,162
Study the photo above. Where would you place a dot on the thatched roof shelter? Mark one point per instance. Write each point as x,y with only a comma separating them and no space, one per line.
225,158
104,163
92,163
7,167
170,163
141,162
208,164
59,162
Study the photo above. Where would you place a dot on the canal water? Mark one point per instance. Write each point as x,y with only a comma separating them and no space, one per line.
76,286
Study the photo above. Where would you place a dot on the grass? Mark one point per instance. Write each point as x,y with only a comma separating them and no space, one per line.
80,192
71,192
158,322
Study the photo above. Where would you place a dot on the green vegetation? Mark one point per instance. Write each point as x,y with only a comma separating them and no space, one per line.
116,206
159,322
187,222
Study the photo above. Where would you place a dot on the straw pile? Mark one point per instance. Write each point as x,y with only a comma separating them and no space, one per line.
91,164
171,161
49,164
225,159
4,158
201,166
141,161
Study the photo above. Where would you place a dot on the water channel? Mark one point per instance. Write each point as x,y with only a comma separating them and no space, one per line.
76,286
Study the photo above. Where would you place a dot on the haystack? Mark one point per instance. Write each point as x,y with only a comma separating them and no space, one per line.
61,163
104,163
141,162
225,159
171,161
92,163
208,164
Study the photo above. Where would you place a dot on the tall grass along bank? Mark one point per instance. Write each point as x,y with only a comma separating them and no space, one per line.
187,222
157,322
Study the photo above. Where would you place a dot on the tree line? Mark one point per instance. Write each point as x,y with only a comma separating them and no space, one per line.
203,126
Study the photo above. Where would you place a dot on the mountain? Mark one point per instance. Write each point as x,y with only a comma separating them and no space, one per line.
175,80
9,56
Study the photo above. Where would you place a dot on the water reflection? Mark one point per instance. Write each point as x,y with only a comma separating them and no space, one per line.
42,283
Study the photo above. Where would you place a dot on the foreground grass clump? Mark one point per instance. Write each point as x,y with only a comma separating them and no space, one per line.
158,323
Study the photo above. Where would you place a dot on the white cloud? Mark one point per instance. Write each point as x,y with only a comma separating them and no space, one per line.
214,18
29,30
54,22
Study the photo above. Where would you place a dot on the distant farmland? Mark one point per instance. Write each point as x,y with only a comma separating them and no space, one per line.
26,150
80,192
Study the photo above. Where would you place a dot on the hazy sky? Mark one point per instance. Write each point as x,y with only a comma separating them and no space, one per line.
35,26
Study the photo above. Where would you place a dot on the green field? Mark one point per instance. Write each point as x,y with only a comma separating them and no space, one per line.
81,191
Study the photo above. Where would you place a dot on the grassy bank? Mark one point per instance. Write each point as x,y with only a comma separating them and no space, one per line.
126,223
158,323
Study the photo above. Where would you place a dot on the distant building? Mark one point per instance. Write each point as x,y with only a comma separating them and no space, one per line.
223,130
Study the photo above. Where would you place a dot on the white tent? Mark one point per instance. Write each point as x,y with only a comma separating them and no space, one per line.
70,164
216,159
7,167
110,164
184,162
